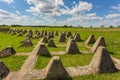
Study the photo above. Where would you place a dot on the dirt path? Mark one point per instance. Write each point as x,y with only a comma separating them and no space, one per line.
63,52
73,71
28,73
26,67
22,54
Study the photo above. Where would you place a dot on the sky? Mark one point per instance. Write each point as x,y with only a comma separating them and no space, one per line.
60,12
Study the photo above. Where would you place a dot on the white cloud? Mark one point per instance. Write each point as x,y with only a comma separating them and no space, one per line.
82,6
93,16
5,14
11,18
78,8
112,16
50,9
47,7
116,7
53,7
84,18
7,1
18,12
108,22
46,12
73,2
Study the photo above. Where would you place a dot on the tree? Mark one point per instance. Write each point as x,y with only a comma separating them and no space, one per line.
91,26
16,25
80,26
65,26
110,26
70,26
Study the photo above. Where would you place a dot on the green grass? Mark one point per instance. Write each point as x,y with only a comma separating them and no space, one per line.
59,48
14,41
106,76
76,60
14,63
67,60
42,62
111,37
62,47
83,48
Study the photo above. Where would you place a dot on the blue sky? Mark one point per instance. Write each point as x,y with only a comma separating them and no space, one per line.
60,12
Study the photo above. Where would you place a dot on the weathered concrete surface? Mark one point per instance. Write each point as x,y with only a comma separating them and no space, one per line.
90,40
51,43
4,71
72,47
27,66
55,70
77,38
99,42
43,51
73,71
102,62
8,51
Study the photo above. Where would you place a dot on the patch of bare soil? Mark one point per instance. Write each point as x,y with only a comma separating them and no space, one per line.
57,53
22,54
110,29
73,71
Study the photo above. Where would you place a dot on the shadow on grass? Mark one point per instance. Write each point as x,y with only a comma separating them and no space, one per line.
111,52
69,78
49,56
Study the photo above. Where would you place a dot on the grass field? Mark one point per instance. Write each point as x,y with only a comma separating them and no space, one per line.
13,63
106,76
67,60
14,41
111,37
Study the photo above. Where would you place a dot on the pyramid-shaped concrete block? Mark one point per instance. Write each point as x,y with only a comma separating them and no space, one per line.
43,51
49,36
44,39
52,34
90,40
62,38
72,47
102,62
51,43
8,51
41,35
55,70
44,32
75,34
100,42
56,33
68,42
4,71
26,43
69,34
77,37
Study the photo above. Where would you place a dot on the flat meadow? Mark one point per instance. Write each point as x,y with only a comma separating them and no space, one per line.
111,35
